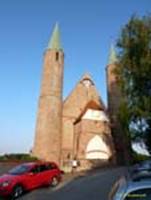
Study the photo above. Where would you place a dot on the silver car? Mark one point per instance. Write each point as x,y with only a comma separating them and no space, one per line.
142,166
131,189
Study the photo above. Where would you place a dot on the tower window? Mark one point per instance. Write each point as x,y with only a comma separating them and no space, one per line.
57,56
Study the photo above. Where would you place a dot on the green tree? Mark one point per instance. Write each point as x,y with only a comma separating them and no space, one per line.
134,72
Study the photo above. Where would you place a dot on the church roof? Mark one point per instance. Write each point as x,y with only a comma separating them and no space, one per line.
86,76
112,56
54,42
90,105
84,95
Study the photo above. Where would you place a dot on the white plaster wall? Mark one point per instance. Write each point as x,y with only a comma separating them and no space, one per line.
97,149
95,115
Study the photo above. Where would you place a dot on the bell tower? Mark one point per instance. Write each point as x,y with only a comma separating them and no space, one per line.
114,97
47,145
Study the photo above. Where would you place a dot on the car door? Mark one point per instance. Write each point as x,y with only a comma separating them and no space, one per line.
52,170
34,177
43,174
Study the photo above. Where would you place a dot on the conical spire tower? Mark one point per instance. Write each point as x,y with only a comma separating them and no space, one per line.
54,42
47,144
112,56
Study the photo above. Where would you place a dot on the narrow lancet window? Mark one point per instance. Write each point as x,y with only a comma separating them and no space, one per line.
57,56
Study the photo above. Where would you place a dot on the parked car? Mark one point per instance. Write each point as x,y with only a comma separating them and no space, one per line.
142,166
129,188
28,176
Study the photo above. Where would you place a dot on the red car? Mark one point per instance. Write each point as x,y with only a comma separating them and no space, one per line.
28,176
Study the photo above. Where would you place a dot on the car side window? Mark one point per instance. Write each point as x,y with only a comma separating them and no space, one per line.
51,166
35,170
140,194
42,168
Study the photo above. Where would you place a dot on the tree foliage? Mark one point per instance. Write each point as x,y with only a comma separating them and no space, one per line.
134,72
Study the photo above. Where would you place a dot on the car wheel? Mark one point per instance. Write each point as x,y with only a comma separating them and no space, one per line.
17,191
54,181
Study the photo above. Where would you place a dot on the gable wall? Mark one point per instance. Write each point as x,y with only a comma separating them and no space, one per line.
72,108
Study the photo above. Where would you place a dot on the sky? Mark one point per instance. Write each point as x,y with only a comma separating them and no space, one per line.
87,29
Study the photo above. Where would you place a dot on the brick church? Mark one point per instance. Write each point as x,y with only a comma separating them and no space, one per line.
81,126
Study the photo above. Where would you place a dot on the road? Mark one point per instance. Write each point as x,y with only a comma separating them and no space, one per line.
95,186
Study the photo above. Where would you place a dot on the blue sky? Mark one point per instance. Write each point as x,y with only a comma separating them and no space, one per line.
87,29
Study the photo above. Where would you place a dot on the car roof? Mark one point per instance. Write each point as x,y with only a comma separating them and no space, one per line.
38,163
139,184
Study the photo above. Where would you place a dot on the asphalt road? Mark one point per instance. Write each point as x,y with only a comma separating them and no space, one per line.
95,186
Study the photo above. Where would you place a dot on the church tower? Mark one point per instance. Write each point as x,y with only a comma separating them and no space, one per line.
47,144
113,90
114,96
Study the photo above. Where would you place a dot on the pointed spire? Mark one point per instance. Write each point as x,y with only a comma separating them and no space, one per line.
54,42
112,56
86,76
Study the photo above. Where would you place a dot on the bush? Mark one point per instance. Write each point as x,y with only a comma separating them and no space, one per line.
17,157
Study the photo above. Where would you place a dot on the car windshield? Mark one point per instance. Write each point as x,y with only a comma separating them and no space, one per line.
22,169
